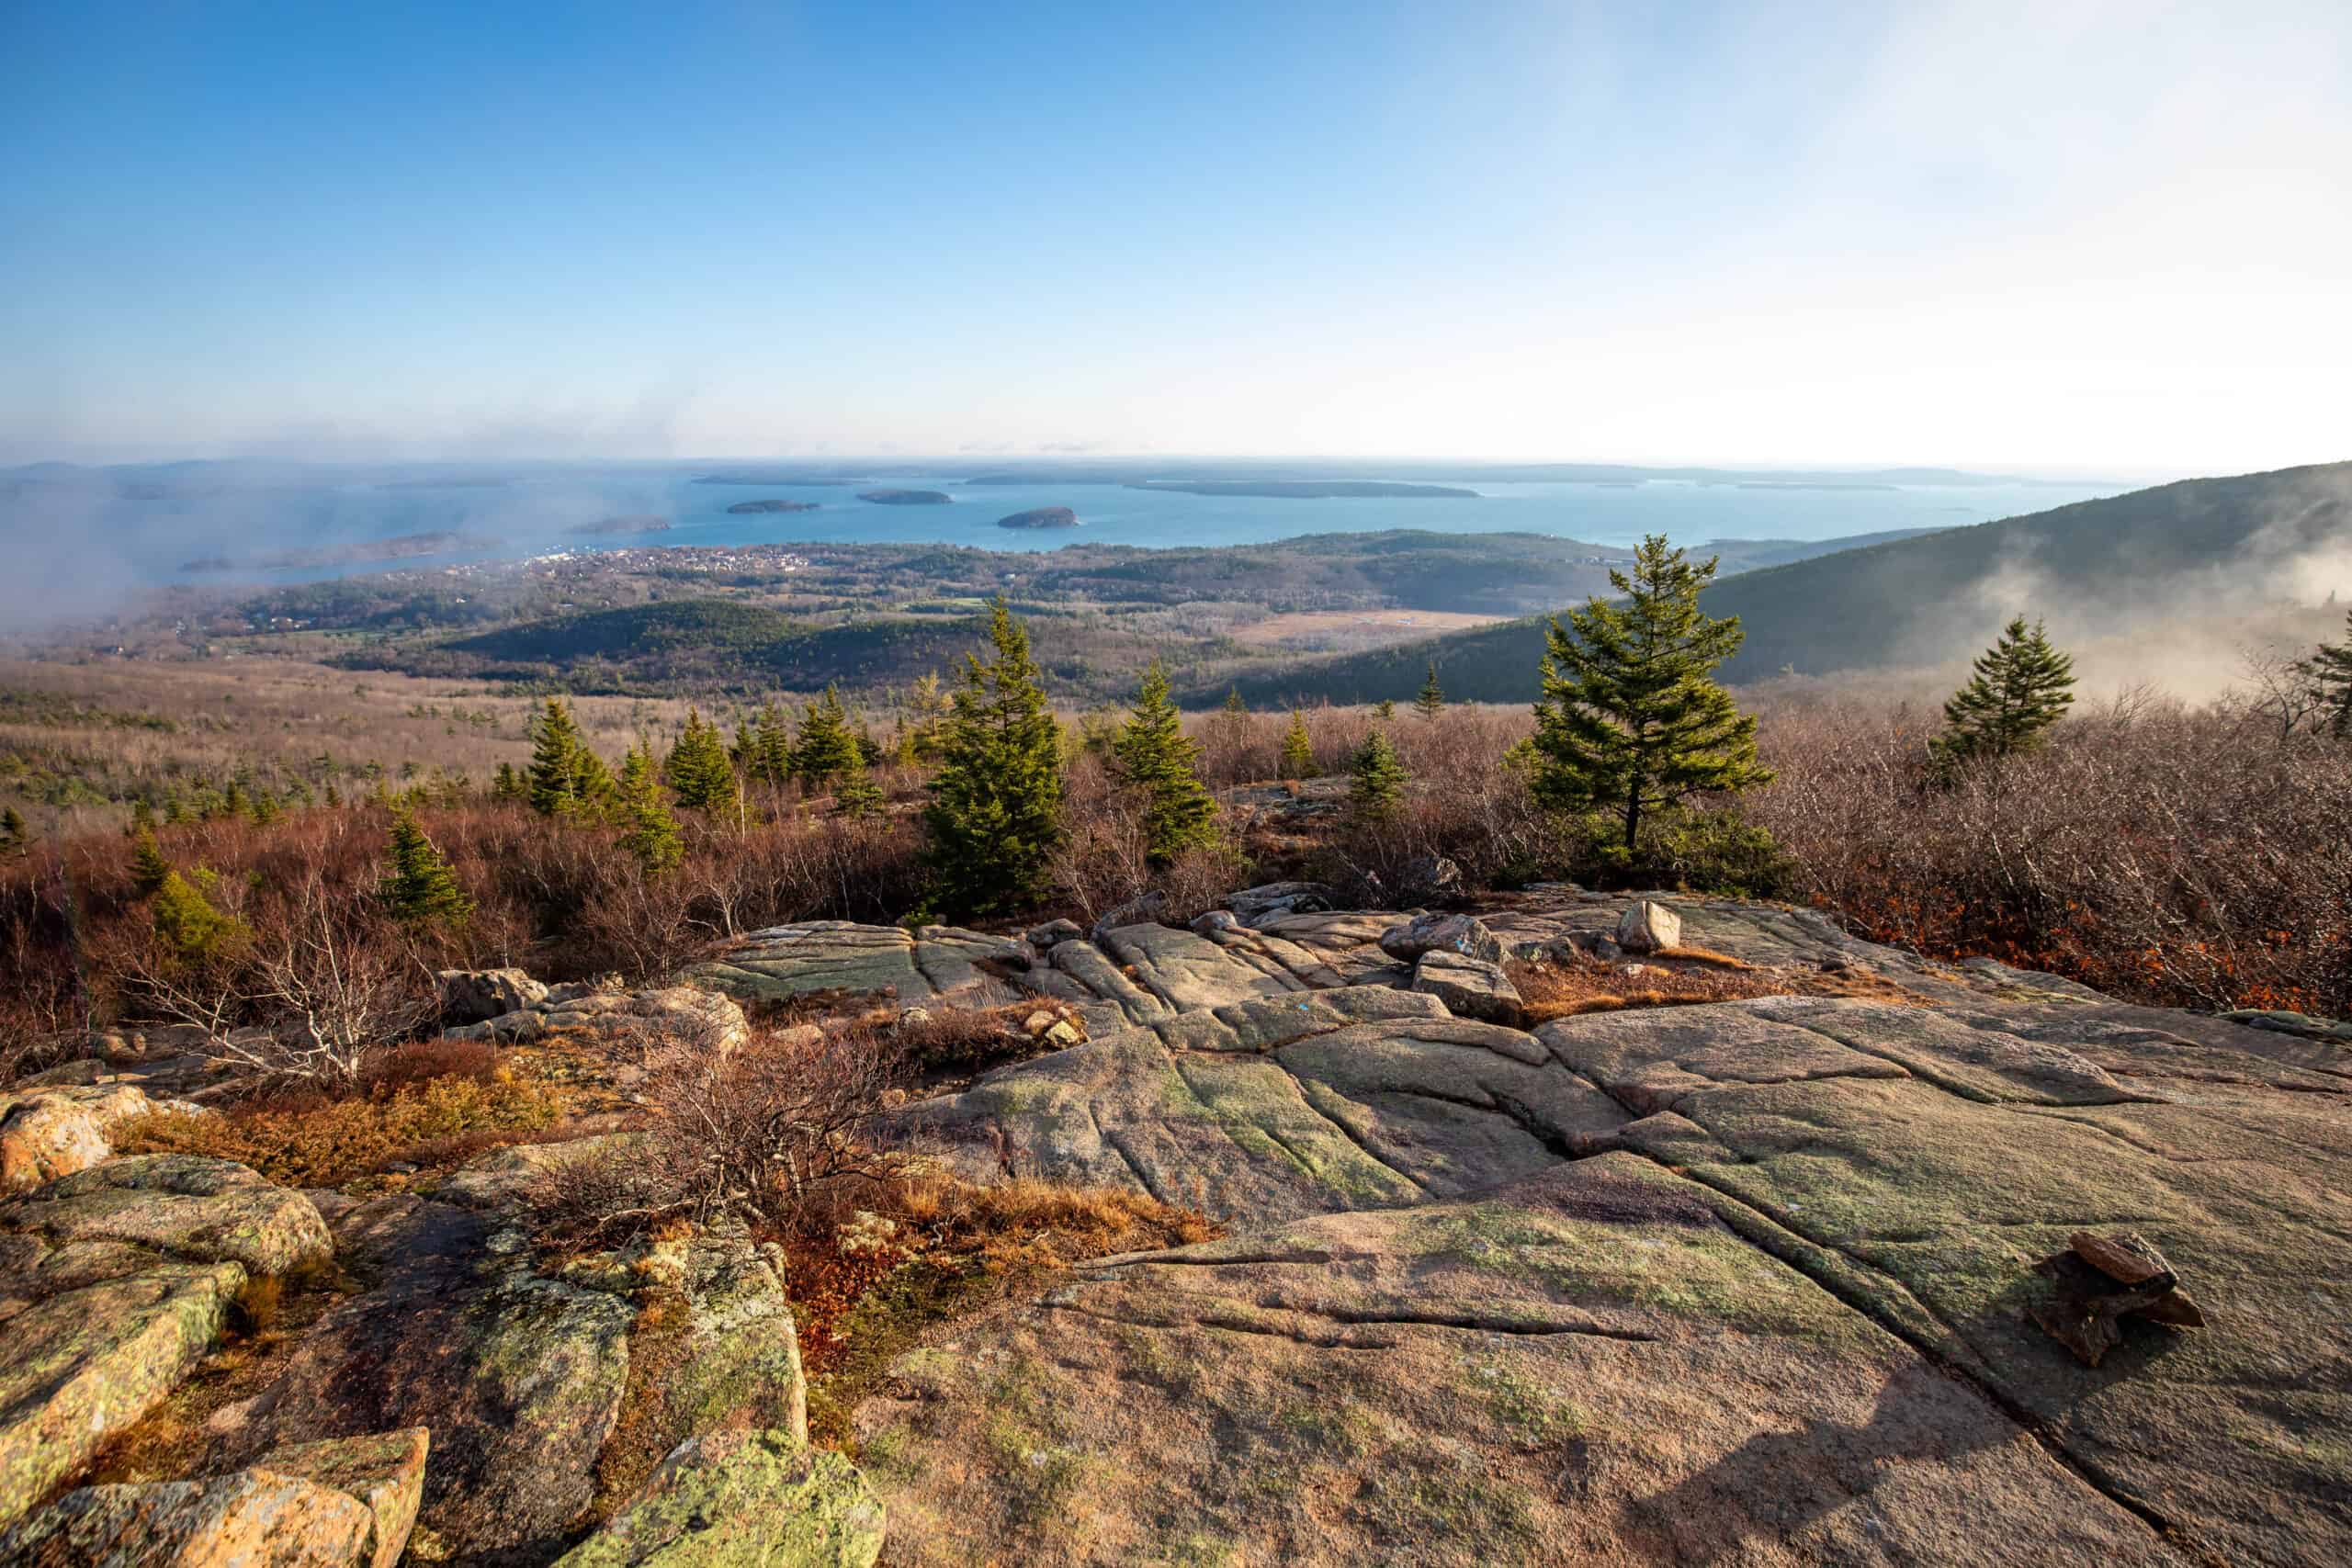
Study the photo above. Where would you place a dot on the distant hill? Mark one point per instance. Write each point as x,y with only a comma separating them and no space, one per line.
2163,557
720,643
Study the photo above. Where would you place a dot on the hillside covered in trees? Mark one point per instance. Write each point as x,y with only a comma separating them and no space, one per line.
2177,553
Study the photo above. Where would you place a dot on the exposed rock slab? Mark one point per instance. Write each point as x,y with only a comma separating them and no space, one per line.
739,1498
820,957
1926,1197
519,1377
85,1363
255,1519
1589,1367
185,1206
622,1021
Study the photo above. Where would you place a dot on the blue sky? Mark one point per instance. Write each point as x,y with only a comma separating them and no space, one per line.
2070,235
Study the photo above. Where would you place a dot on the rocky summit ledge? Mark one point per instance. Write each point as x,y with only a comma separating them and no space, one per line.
1878,1261
1757,1281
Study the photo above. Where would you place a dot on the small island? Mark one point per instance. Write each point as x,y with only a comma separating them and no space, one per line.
1041,517
637,524
1307,489
905,497
741,507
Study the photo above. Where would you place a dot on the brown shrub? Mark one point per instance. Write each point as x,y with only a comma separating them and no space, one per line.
399,1066
312,1139
2192,857
773,1133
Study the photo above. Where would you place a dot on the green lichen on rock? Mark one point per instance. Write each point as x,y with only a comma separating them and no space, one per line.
743,1500
85,1364
192,1207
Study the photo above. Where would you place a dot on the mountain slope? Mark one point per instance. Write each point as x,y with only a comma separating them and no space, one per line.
2174,554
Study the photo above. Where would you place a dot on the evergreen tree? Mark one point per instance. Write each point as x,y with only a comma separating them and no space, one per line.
775,745
928,707
507,786
652,835
1631,720
855,791
1298,759
591,783
2329,671
266,809
13,838
1376,778
148,866
1431,699
556,751
141,815
334,797
2021,686
190,928
700,774
418,887
234,802
826,744
1152,754
1384,710
995,810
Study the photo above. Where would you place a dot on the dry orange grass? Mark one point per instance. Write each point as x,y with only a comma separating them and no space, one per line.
312,1140
1568,990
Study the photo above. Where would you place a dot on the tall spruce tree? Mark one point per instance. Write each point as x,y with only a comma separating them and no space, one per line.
1152,755
855,791
2021,686
418,885
1297,760
826,744
1631,721
148,866
556,751
995,810
700,774
771,760
2329,671
507,784
1429,701
651,833
1376,778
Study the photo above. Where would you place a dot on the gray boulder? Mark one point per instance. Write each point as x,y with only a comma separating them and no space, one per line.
1043,938
1464,936
472,995
1253,904
1649,927
1470,987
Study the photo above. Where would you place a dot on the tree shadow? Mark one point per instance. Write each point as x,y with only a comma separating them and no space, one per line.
1777,1482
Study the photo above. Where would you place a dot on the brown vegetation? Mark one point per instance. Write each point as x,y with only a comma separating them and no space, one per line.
2192,857
1567,986
310,1138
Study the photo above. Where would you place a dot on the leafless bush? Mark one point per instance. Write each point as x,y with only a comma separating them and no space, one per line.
1102,861
767,1132
2197,857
